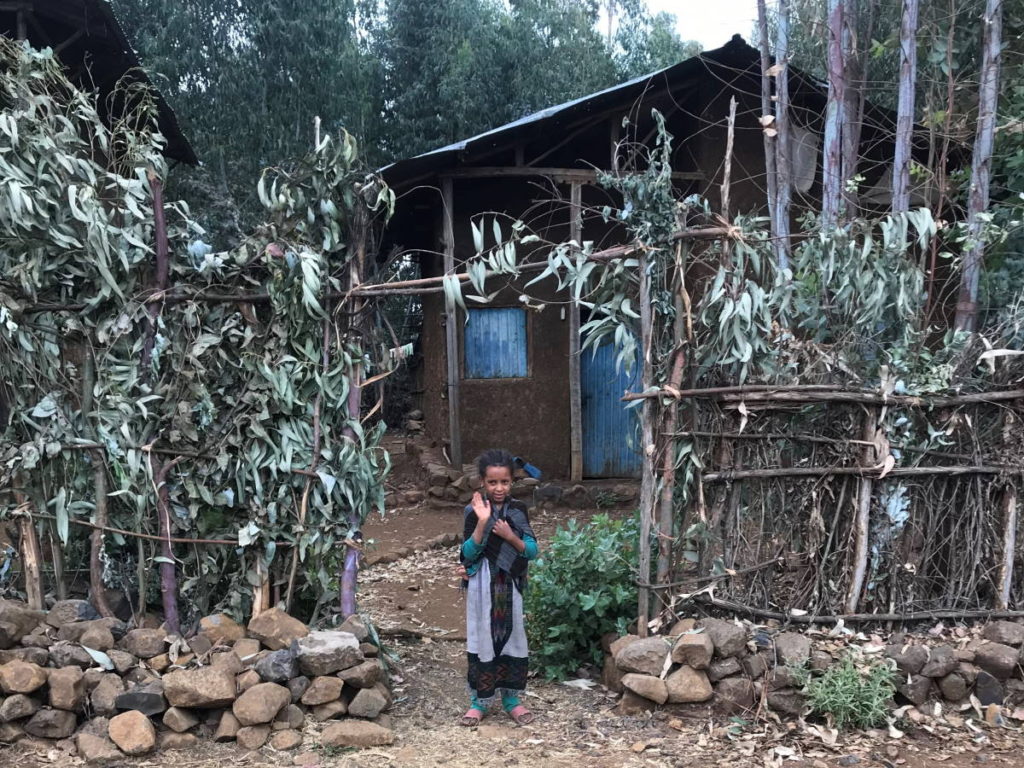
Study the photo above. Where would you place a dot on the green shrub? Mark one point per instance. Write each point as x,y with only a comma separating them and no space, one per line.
581,588
857,696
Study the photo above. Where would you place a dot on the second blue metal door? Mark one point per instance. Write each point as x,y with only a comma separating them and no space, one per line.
610,430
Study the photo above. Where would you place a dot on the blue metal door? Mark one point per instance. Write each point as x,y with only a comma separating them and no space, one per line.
610,430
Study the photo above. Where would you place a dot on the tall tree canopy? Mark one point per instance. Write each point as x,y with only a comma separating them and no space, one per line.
406,76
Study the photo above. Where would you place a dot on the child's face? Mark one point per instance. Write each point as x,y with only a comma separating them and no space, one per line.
497,483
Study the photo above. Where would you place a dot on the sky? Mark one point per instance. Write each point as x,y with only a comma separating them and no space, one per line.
710,22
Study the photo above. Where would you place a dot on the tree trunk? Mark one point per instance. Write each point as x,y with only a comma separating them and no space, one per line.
862,519
981,167
168,568
832,175
905,110
647,480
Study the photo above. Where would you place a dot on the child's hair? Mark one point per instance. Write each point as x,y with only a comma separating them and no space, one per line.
495,457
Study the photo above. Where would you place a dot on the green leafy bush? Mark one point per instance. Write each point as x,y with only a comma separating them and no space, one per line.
581,588
854,696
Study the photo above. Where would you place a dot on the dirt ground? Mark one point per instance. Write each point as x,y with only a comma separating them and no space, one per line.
575,727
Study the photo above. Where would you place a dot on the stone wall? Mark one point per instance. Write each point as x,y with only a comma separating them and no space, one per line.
735,667
103,690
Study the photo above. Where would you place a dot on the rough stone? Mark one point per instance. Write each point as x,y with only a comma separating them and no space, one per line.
722,668
1005,632
368,703
179,720
632,704
98,637
17,707
792,649
755,666
16,621
285,740
650,687
683,626
611,676
229,661
278,666
997,659
356,733
693,650
66,654
356,626
323,690
915,689
21,677
145,643
98,726
369,650
644,657
324,653
728,638
70,611
123,661
67,688
200,645
92,677
968,672
622,642
365,675
291,717
276,629
246,649
820,661
220,629
38,656
76,630
954,687
147,698
988,689
941,662
247,680
910,659
11,733
252,737
96,750
200,688
133,733
298,686
688,686
330,711
784,677
261,703
169,740
734,695
227,728
788,701
51,724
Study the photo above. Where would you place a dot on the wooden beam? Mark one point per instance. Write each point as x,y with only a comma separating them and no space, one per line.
575,391
563,175
451,319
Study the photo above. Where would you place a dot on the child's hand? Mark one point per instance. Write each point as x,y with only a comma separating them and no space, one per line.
482,507
504,530
461,572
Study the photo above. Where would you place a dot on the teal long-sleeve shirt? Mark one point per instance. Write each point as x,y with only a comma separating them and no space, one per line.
472,552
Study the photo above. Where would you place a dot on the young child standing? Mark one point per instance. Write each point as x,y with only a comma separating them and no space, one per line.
497,545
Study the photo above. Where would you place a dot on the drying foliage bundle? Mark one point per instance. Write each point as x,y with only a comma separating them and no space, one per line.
153,386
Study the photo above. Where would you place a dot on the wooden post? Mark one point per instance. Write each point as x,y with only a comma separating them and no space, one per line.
981,167
451,330
60,585
771,173
31,555
905,110
261,592
862,519
575,392
1009,505
647,482
784,168
832,154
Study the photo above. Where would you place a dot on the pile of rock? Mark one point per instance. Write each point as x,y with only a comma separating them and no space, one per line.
103,690
732,667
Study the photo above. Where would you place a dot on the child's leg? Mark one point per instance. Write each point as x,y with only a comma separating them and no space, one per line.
475,703
509,701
